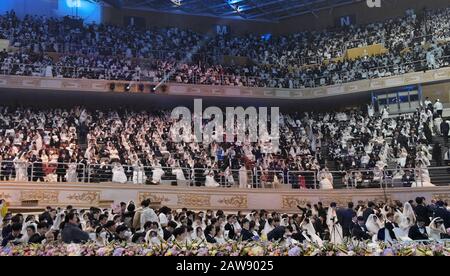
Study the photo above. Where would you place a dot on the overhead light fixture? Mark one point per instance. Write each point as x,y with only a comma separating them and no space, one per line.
176,2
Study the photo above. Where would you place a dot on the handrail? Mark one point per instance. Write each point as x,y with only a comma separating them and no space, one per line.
27,171
213,79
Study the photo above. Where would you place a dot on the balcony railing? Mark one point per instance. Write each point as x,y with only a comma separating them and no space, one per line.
52,172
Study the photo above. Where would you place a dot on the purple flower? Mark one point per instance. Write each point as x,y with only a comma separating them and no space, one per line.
118,252
388,252
202,251
294,251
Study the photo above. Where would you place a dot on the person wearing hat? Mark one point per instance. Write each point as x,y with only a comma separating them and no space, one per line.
418,230
359,230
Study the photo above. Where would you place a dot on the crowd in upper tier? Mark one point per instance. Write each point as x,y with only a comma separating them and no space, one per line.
120,145
415,42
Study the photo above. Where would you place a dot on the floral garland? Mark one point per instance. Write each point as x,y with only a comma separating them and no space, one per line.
230,248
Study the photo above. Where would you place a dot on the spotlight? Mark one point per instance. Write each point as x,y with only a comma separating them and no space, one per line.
176,2
127,87
152,88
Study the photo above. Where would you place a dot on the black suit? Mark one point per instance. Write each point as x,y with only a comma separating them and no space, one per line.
166,234
276,234
246,235
423,213
36,238
73,234
210,239
445,127
345,219
230,228
415,234
11,238
360,232
390,227
367,213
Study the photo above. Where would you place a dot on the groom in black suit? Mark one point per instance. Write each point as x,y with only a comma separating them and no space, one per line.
359,230
230,227
345,216
388,225
418,231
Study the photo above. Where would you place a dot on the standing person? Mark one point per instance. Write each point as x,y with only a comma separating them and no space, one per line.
437,154
345,216
148,214
445,127
422,211
427,102
335,229
369,210
438,107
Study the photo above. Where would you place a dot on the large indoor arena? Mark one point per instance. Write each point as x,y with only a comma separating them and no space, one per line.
224,128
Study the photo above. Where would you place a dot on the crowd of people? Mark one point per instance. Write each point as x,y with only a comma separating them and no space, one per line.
413,220
307,59
122,145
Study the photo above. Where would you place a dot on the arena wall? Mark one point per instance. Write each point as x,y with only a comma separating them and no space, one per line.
23,195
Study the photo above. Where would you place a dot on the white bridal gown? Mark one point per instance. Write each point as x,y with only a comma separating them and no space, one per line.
119,175
210,181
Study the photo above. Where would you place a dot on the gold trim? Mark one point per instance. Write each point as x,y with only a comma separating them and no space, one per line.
443,197
91,197
4,195
239,201
291,202
153,197
188,200
42,196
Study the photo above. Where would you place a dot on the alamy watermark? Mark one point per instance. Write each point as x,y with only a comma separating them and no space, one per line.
241,125
374,3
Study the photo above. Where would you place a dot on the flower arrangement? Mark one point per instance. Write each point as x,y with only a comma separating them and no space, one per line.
230,248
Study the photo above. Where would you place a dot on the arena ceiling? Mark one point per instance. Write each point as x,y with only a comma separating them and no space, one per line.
267,10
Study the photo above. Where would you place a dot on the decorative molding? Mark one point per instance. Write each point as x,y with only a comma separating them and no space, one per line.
153,197
377,199
41,196
291,202
4,195
340,200
187,200
91,197
239,201
443,197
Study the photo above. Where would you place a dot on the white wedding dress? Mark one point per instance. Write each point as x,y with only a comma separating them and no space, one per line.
119,175
243,177
157,174
71,174
334,227
210,181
